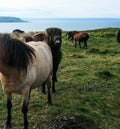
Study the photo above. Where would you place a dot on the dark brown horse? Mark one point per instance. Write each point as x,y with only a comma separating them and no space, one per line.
118,36
70,35
81,37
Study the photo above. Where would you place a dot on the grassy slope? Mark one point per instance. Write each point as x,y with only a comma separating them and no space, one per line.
88,86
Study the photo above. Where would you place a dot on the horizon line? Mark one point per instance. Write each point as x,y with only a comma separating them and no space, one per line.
71,17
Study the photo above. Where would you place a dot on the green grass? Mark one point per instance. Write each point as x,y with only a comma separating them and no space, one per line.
88,86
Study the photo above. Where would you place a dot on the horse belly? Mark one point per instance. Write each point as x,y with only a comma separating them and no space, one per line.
39,76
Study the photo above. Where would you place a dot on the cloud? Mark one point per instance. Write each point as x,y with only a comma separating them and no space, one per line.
60,8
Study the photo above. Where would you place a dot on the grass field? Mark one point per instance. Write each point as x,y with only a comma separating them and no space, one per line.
87,93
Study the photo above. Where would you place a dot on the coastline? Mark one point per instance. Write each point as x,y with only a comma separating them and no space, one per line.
66,24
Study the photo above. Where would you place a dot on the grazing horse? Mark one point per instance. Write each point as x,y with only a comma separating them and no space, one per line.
54,40
81,37
22,68
70,34
118,36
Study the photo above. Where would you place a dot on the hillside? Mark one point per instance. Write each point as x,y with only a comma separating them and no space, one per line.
87,92
10,19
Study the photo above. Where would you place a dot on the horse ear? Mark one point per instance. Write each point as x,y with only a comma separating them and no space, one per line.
46,38
48,31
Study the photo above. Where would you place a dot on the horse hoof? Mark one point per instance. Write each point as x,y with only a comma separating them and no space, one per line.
49,104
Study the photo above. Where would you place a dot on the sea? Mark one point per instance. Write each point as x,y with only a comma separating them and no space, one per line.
66,24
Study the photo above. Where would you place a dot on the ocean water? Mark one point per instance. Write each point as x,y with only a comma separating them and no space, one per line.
65,24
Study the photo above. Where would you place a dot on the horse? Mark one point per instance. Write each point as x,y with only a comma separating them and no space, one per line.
118,36
23,67
70,35
27,38
39,37
18,31
81,37
35,37
54,40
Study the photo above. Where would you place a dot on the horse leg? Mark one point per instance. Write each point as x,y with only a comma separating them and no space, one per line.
25,108
43,88
72,39
48,82
54,77
57,57
75,43
53,86
79,44
9,107
85,45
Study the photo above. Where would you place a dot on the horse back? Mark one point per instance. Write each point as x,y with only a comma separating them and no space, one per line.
42,65
81,36
39,37
85,35
43,53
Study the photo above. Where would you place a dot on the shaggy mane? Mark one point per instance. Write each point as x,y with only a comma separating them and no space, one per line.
15,53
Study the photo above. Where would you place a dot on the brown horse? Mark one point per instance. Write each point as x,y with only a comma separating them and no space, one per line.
81,37
39,37
27,38
118,36
35,37
70,35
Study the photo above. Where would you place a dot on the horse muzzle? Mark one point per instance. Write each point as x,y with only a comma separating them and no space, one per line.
57,40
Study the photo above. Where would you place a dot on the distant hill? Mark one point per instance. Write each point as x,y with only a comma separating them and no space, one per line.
10,19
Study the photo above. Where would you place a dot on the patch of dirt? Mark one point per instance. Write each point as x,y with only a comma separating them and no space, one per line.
105,74
71,123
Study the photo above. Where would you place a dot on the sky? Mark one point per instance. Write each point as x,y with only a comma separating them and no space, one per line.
60,8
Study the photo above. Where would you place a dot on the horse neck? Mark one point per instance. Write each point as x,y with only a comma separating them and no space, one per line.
56,52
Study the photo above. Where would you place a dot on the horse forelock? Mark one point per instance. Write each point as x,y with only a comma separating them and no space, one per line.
54,31
15,53
53,34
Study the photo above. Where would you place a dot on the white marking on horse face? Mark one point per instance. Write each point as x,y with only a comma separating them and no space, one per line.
57,41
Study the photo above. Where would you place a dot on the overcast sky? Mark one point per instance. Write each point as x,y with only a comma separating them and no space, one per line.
60,8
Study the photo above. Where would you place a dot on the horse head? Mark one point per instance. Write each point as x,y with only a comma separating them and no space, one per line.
54,37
